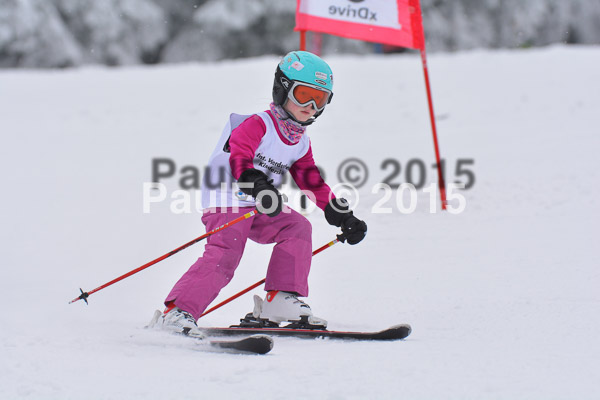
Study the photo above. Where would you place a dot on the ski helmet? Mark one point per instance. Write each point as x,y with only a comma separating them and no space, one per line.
301,66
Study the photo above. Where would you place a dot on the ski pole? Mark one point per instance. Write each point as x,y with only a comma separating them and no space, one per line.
339,238
85,295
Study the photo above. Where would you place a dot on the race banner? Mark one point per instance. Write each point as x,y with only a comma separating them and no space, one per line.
394,22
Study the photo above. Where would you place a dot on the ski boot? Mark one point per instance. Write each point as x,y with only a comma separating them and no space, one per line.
282,307
175,320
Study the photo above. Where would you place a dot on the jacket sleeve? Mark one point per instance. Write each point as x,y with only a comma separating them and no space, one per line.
243,142
308,178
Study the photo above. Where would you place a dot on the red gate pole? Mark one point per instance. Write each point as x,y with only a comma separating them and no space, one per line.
303,40
442,184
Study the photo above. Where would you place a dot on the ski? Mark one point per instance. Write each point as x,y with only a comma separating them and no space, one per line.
303,329
396,332
255,344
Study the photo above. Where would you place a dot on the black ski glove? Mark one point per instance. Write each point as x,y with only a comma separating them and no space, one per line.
262,189
338,213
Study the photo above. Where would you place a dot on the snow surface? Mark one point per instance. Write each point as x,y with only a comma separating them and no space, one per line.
503,298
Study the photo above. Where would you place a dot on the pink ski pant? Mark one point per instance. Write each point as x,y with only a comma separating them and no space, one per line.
288,268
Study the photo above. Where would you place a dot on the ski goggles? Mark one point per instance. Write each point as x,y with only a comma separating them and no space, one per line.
303,94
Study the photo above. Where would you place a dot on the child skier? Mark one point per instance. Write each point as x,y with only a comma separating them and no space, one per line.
256,151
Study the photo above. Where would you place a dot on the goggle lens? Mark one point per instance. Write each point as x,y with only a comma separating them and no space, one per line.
305,94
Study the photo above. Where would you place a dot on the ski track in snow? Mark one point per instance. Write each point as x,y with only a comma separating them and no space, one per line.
503,298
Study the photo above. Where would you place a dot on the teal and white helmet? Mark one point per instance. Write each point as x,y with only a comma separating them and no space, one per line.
307,68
